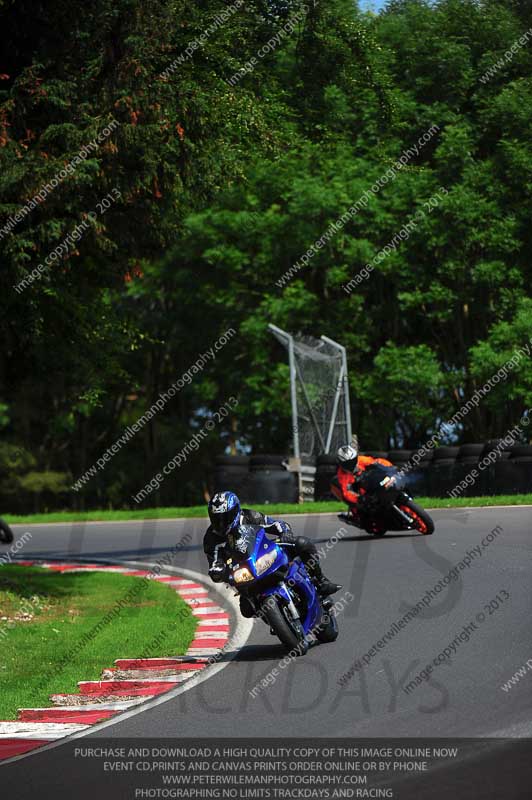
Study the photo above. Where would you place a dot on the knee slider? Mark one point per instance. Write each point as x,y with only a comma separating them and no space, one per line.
305,545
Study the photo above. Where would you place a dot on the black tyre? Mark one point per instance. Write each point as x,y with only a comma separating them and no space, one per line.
233,479
322,482
328,628
400,456
521,451
500,451
470,451
290,632
6,534
242,462
422,521
271,486
269,462
446,453
326,460
372,527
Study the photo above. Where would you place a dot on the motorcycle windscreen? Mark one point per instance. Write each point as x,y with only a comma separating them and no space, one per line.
241,543
374,474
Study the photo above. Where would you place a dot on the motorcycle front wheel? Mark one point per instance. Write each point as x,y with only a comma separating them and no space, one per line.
422,521
6,534
290,633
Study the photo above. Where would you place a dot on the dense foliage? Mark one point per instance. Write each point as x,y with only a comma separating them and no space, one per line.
216,186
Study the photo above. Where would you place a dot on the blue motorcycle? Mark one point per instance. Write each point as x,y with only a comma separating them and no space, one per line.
279,590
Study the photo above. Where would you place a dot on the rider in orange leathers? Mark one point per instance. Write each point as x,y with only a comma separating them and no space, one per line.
350,467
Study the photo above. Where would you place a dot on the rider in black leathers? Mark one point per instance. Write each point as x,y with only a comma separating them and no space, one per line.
226,514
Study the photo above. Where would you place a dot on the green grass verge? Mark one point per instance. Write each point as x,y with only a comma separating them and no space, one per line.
46,652
273,509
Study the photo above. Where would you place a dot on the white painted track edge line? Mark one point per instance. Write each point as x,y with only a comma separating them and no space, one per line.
242,632
119,705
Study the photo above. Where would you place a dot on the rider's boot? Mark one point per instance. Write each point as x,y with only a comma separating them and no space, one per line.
327,587
324,586
351,517
345,518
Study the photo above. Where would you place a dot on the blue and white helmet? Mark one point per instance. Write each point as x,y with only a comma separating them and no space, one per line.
224,513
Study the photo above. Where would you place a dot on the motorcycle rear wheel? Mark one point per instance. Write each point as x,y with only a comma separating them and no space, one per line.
6,534
290,633
375,531
372,527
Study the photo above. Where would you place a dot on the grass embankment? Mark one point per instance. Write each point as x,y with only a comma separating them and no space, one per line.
275,509
45,615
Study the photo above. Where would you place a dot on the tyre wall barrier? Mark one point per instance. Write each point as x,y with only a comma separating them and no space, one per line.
272,486
468,471
322,482
256,480
511,476
325,472
268,462
231,473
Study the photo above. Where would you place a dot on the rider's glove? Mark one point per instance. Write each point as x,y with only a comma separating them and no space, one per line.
218,571
278,528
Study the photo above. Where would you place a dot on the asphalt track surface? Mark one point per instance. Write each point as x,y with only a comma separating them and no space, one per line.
385,577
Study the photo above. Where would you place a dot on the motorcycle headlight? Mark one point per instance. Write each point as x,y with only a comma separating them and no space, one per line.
265,562
242,575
